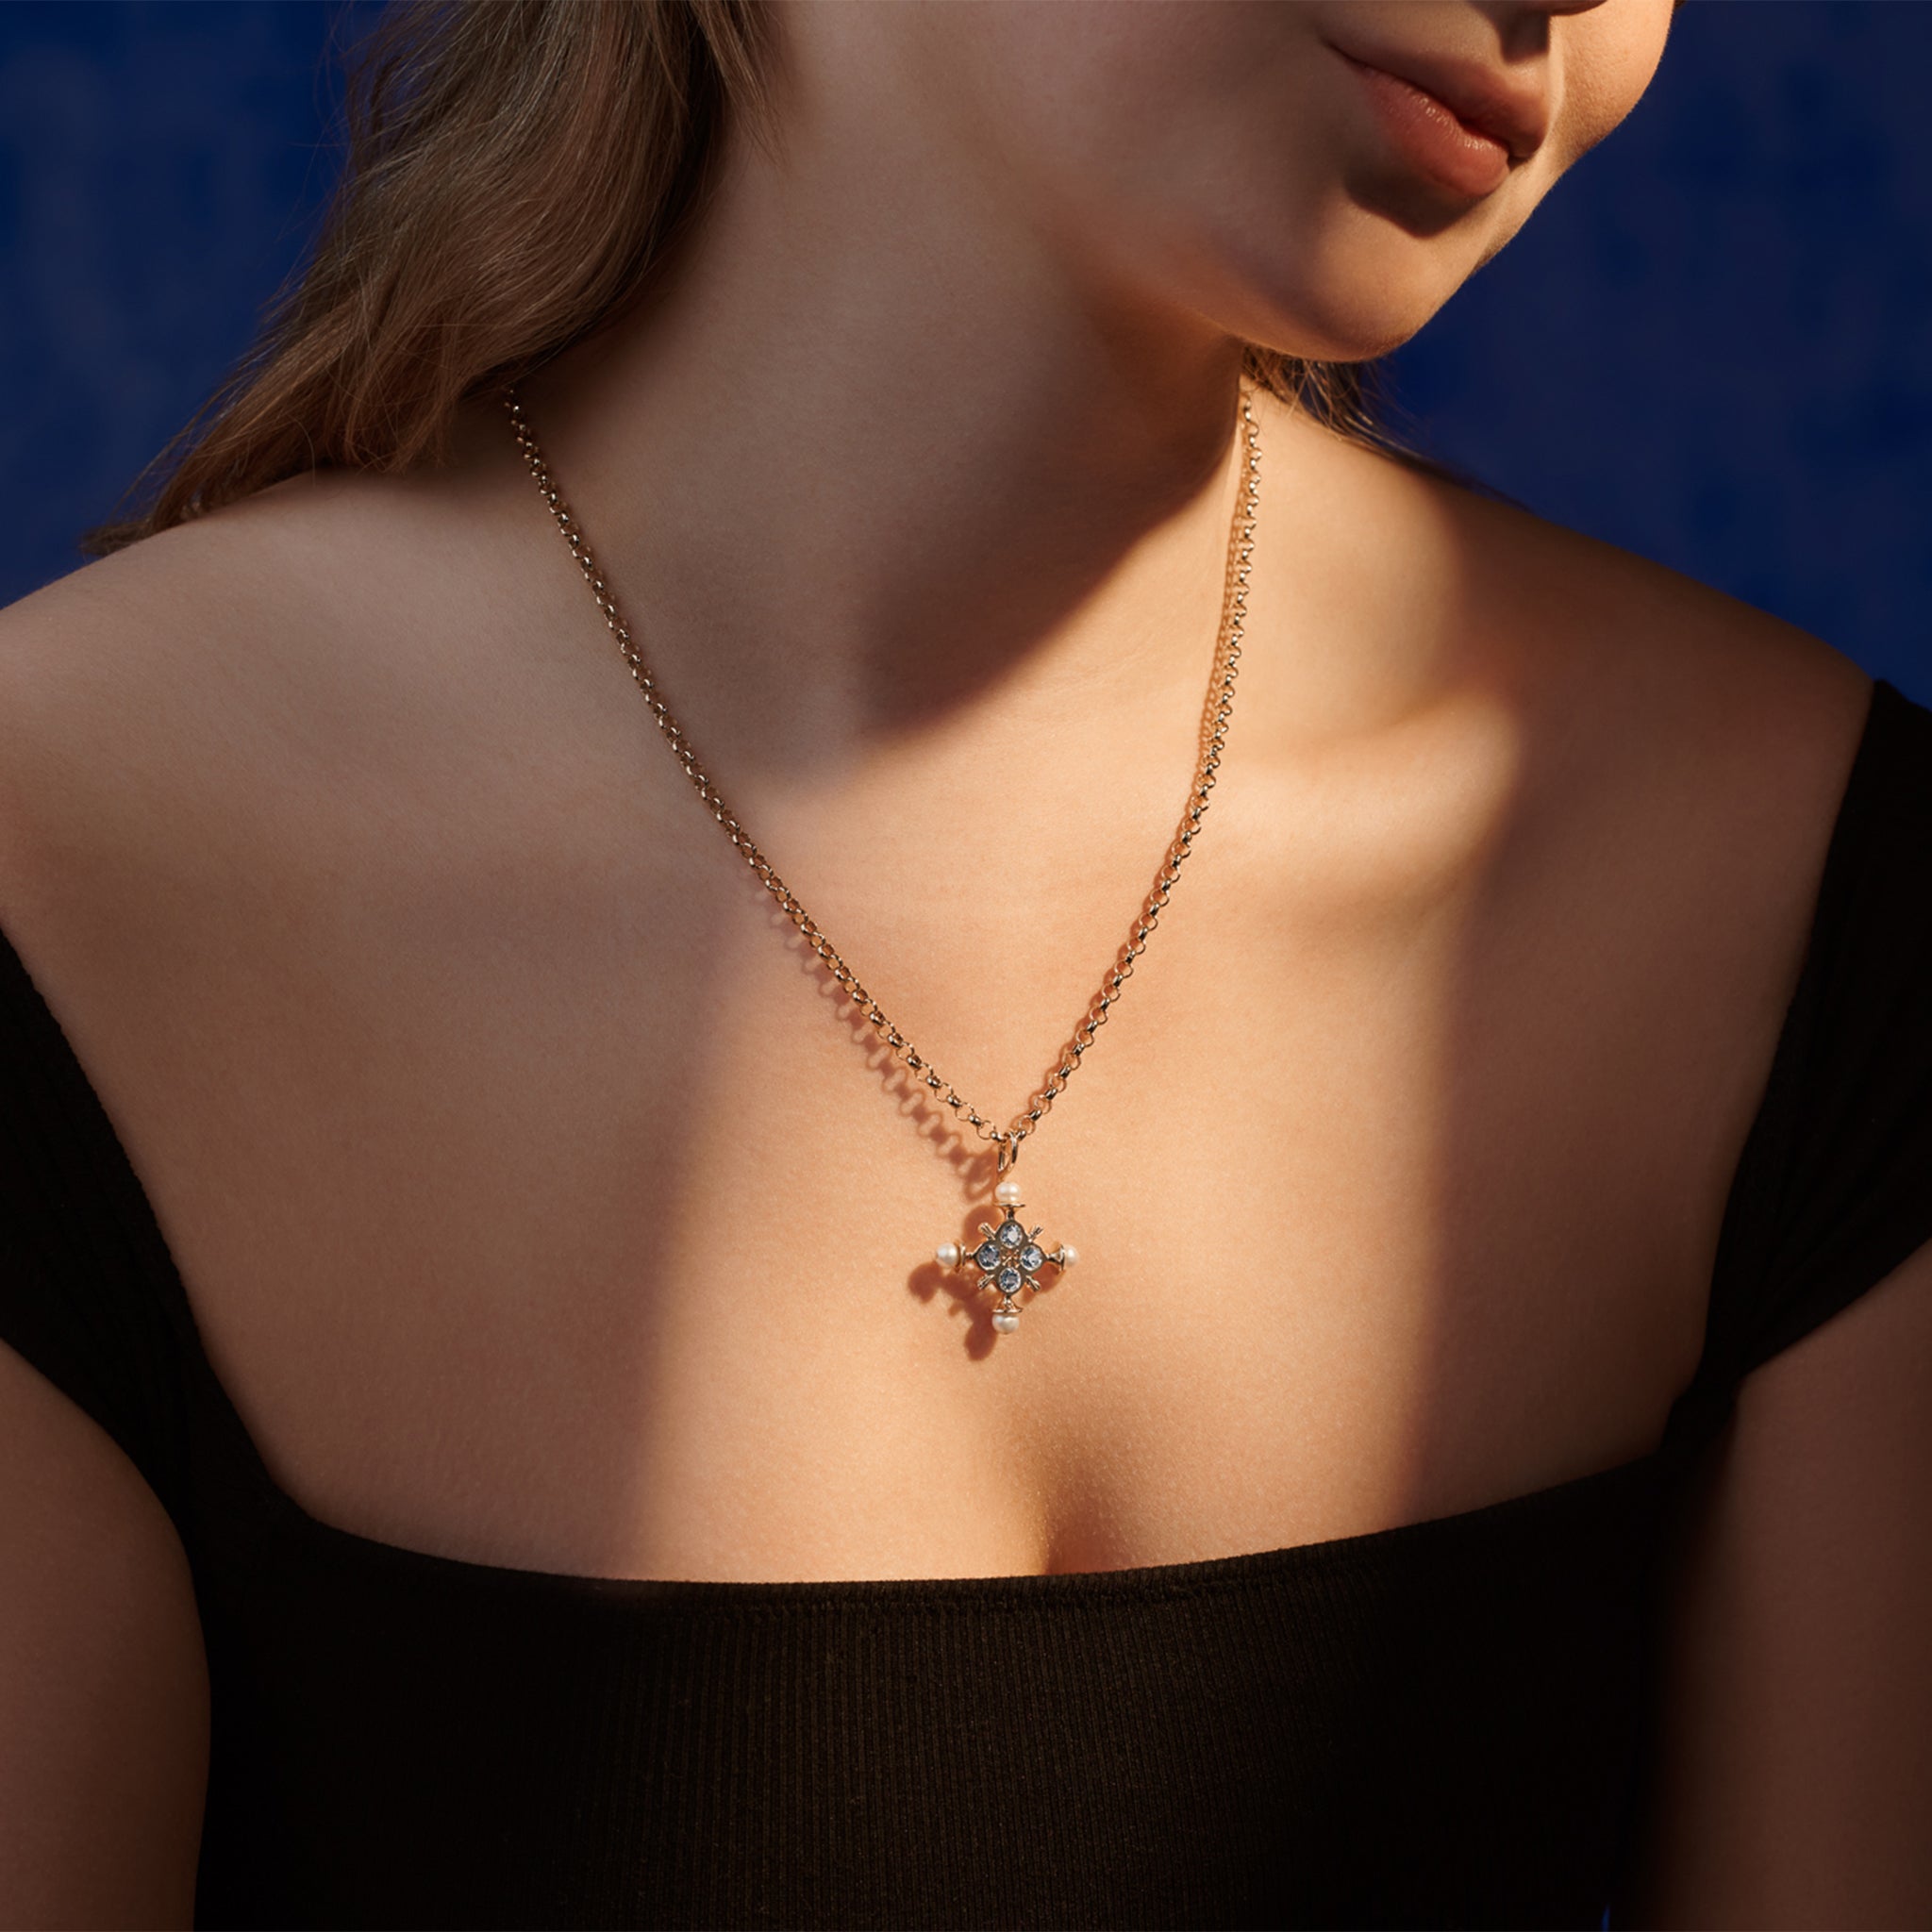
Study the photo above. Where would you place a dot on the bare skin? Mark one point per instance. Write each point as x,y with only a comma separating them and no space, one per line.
539,1206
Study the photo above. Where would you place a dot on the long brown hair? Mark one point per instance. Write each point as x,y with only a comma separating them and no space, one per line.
515,171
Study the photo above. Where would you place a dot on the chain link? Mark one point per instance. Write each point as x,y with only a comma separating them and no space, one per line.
1214,722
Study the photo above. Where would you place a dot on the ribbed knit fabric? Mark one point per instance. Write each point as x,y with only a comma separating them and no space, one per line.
1441,1723
1433,1724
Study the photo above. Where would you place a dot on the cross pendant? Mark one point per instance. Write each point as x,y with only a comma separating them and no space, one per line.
1009,1257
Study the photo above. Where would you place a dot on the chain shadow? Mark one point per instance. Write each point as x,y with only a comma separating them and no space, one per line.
975,1165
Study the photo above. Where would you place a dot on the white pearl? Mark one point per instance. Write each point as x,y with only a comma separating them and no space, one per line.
1008,1194
1067,1256
946,1255
1006,1321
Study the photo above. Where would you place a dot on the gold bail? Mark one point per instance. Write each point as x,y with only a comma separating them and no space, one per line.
1009,1151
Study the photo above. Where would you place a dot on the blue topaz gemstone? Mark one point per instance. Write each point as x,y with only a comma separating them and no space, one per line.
987,1257
1011,1233
1008,1279
1031,1255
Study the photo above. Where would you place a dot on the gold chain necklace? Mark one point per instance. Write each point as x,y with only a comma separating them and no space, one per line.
1009,1256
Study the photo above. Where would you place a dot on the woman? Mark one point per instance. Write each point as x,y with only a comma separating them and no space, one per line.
503,1421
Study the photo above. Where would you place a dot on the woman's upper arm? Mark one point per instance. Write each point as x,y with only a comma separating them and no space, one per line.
103,1681
1792,1782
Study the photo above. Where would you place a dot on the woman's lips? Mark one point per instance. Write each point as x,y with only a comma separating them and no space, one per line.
1429,135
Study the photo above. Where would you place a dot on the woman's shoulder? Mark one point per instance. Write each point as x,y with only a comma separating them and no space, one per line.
1576,604
178,704
121,672
1614,691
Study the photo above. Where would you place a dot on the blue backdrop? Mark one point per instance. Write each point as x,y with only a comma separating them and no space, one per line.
1710,345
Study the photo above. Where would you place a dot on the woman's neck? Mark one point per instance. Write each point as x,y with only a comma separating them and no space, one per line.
873,449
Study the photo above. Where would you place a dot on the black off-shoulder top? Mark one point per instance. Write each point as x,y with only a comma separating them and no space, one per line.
1439,1723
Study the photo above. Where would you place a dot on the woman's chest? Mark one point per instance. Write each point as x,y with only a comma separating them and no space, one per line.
528,1233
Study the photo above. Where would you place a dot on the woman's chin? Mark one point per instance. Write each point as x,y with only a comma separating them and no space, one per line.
1347,303
1346,327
